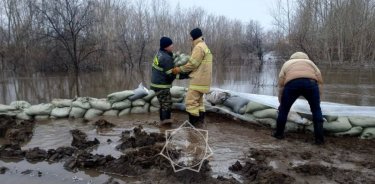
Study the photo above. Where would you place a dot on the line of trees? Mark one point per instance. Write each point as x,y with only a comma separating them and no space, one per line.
77,35
328,30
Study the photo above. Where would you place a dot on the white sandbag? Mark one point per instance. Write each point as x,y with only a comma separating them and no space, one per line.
181,59
362,121
140,110
177,100
100,104
19,105
355,131
62,112
41,109
62,102
124,112
155,102
41,117
151,94
293,127
296,118
242,110
154,109
92,113
254,106
119,96
266,113
111,113
248,117
23,116
341,125
77,112
221,109
330,118
368,133
6,108
216,97
236,103
139,102
178,92
10,113
139,93
179,106
122,105
82,102
268,122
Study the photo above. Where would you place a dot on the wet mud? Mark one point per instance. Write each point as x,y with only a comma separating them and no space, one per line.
16,131
243,153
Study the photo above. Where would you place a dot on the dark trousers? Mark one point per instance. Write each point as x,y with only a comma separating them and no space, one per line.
165,100
309,89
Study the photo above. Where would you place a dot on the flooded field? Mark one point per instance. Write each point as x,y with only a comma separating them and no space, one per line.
343,84
242,152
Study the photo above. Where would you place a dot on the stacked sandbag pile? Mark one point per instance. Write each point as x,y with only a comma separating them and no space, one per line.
251,111
142,100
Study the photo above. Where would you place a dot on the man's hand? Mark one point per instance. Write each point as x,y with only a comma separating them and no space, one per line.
176,70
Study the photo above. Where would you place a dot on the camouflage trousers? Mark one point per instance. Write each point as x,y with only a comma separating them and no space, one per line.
165,99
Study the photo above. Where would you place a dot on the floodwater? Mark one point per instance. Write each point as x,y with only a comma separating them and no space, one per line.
343,84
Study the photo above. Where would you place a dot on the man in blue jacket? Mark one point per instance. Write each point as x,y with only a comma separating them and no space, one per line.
162,78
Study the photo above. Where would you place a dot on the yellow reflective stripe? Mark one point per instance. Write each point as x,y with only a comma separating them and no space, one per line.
169,71
198,87
207,51
156,60
161,85
157,67
194,62
205,61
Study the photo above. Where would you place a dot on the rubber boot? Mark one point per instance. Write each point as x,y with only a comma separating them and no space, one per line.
201,123
165,117
318,133
193,119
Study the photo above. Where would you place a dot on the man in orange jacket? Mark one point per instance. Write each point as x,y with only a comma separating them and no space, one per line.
200,66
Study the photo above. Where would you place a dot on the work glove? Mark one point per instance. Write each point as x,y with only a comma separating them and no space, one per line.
176,70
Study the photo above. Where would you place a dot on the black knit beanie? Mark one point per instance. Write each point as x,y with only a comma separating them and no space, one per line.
165,42
196,33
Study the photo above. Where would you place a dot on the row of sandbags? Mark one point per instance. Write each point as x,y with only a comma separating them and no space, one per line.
226,103
140,100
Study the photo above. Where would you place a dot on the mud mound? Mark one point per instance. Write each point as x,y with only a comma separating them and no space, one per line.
36,154
11,151
80,140
85,159
60,153
14,132
259,172
336,174
3,170
103,124
139,138
6,122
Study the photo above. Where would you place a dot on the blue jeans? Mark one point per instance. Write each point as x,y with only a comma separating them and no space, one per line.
309,89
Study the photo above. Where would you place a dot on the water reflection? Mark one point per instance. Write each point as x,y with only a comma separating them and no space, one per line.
342,85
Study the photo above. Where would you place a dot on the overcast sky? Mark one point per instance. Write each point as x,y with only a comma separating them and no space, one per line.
243,10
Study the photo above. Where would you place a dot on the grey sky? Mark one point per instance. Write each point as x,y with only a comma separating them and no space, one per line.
243,10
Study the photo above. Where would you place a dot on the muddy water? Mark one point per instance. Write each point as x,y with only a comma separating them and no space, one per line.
230,141
343,84
55,133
